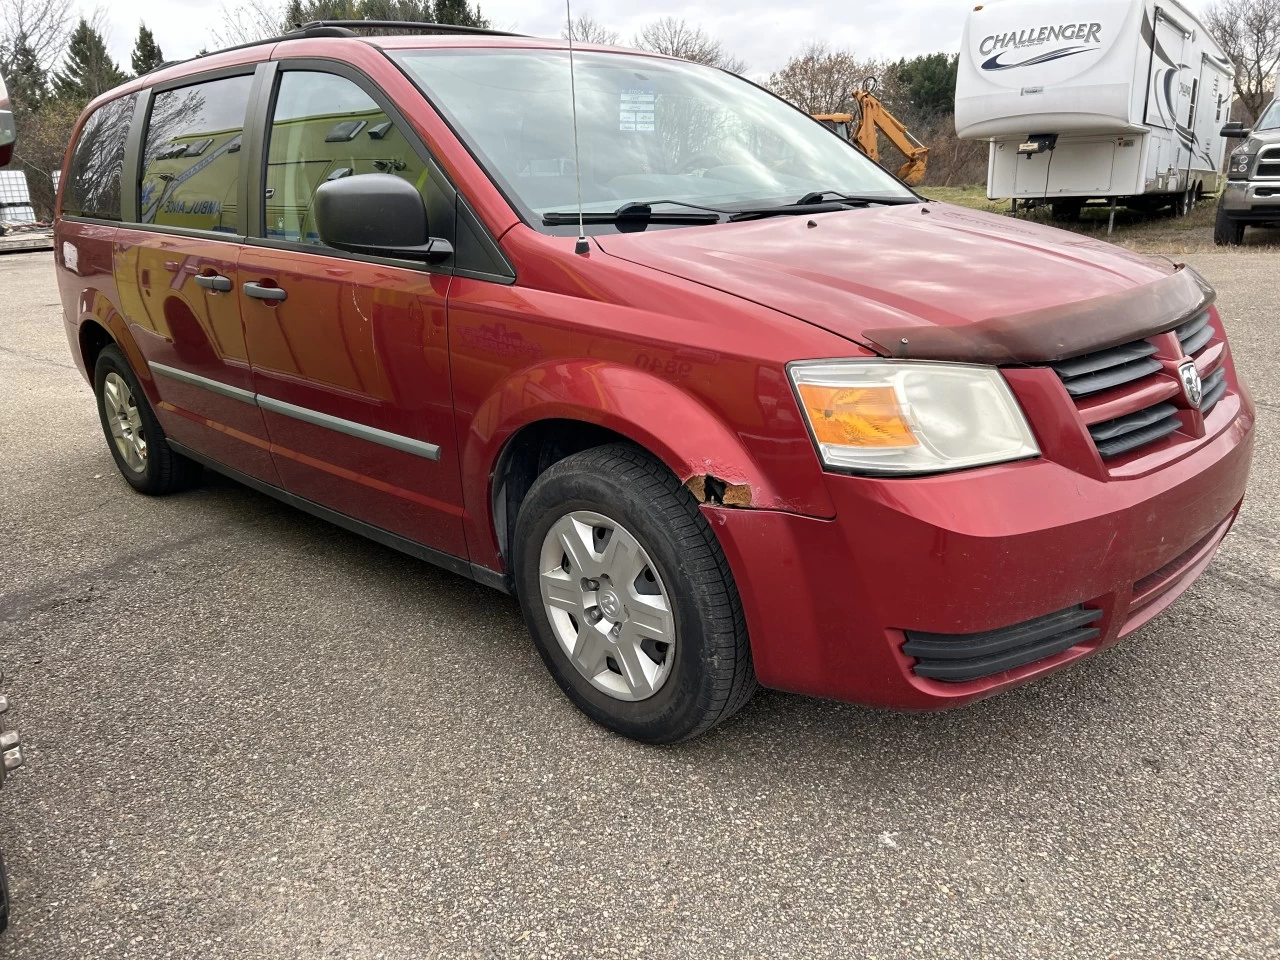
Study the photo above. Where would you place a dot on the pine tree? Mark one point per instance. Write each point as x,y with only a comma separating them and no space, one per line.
88,69
459,12
146,52
27,81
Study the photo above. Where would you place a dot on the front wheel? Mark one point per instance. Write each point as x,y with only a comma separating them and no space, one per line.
1227,231
629,597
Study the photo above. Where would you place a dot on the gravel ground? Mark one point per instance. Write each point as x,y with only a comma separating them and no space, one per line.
251,734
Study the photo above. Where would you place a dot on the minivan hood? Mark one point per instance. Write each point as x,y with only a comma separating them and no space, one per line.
926,265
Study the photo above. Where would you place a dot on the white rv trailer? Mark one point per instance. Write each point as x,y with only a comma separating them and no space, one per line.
1119,99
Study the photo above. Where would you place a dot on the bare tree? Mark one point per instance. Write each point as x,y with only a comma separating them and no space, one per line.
43,25
1249,30
676,38
587,29
249,21
821,80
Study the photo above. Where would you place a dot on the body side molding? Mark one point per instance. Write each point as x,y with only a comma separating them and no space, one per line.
395,441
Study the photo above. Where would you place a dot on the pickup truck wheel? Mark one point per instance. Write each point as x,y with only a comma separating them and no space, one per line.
629,597
4,897
133,434
1227,232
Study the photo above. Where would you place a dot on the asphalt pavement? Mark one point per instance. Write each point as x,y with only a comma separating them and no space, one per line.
251,734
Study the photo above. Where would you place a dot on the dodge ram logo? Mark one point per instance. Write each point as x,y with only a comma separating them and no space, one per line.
1191,385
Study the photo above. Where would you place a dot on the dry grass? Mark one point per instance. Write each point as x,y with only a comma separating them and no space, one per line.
1144,232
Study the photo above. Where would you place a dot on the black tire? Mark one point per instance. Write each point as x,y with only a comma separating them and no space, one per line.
712,677
1067,211
162,471
4,897
1227,231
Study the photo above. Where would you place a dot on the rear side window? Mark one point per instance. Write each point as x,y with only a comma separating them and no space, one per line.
93,182
325,127
191,158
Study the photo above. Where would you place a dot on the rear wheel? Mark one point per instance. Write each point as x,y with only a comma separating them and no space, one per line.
1067,211
629,597
133,434
1227,231
4,897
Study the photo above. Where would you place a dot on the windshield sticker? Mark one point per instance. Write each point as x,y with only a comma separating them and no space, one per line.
637,109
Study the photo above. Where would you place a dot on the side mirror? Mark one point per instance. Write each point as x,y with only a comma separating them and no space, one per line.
377,214
1235,131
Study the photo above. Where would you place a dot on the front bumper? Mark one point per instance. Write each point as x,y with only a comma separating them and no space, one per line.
829,603
1251,199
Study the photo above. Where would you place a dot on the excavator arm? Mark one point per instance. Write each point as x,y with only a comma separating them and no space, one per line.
872,118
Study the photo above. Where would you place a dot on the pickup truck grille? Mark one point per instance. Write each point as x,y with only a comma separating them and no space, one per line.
1128,397
1268,164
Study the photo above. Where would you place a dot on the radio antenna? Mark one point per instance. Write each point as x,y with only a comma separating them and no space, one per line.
582,247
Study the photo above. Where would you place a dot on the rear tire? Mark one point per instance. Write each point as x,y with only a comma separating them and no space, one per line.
1227,231
133,433
4,897
568,596
1067,211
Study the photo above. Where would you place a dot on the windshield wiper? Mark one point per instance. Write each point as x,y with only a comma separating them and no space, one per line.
815,203
638,213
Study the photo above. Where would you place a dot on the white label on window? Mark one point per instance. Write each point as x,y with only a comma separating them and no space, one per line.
637,109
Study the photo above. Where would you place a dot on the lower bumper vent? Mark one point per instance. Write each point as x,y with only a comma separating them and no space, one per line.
957,657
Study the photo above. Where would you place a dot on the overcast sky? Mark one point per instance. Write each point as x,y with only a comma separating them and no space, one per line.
765,33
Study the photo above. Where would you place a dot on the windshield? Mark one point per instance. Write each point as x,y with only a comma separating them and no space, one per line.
648,129
1270,119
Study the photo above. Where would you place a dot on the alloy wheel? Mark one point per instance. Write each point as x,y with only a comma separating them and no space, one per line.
607,605
125,422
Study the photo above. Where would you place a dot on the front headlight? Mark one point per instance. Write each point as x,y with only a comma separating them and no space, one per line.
1240,162
900,417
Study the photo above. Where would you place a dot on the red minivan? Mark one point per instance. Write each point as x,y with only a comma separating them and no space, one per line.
776,419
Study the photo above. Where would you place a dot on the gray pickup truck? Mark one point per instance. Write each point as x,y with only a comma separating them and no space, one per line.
1252,191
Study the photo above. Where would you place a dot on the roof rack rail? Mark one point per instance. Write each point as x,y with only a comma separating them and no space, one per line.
314,28
348,28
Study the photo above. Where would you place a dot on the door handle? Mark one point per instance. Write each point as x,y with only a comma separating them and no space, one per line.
259,292
213,281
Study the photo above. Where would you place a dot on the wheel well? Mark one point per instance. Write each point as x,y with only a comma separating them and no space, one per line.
93,337
527,455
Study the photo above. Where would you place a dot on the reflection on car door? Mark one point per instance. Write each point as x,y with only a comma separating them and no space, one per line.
178,287
350,356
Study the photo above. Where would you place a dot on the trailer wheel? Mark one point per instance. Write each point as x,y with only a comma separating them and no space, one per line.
1182,204
1227,232
1066,211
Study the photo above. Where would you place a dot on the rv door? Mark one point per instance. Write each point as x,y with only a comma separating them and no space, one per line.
1167,87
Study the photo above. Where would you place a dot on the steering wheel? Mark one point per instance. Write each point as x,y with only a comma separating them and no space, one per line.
699,161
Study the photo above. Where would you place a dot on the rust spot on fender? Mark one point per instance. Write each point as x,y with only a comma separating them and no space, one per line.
711,489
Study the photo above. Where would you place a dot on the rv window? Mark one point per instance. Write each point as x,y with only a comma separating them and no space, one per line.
93,184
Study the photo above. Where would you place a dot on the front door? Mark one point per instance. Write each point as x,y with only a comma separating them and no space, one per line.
350,354
177,273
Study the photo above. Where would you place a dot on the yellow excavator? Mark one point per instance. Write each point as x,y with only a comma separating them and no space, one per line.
872,117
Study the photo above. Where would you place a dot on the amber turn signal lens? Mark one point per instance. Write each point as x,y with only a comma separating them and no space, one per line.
856,416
